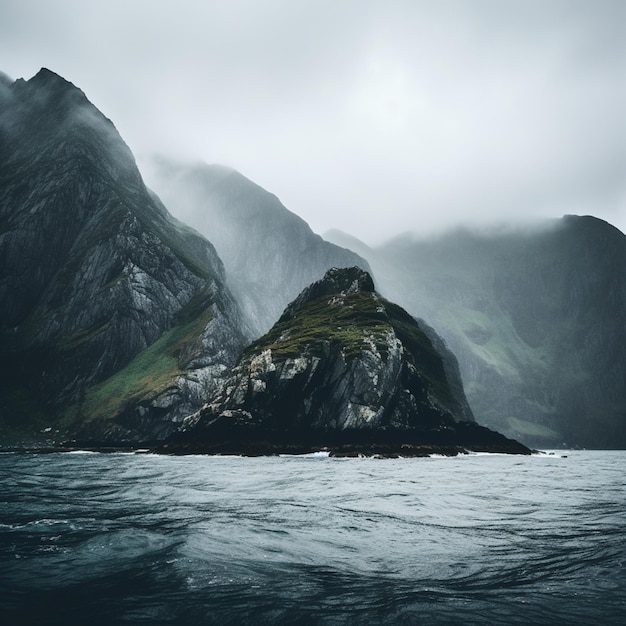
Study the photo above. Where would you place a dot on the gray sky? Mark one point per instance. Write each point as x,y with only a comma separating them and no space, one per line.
371,117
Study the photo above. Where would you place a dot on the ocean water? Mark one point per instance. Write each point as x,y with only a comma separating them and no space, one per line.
89,538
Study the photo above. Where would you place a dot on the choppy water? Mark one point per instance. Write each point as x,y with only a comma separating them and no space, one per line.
142,539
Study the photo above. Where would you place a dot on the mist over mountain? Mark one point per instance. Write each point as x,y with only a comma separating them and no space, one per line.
95,273
117,320
537,319
270,254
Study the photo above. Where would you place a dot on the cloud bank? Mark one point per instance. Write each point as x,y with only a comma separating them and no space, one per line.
370,117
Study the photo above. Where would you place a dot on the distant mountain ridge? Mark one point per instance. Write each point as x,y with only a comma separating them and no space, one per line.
270,254
537,319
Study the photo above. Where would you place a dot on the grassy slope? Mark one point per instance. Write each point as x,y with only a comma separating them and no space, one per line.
352,322
319,323
150,373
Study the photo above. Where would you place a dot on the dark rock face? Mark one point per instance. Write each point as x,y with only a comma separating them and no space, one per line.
270,254
93,271
537,320
342,368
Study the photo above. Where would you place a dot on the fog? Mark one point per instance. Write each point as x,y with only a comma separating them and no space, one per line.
369,117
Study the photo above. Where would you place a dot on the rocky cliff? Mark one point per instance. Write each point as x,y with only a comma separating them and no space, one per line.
114,317
270,254
536,318
344,369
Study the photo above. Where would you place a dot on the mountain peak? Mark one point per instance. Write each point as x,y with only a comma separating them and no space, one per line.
337,281
48,82
36,102
340,280
46,75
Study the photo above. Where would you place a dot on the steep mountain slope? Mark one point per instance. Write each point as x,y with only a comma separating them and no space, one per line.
344,369
94,271
269,253
537,320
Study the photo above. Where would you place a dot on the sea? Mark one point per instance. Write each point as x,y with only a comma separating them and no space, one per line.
93,538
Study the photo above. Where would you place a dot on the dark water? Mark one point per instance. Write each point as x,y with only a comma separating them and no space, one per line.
141,539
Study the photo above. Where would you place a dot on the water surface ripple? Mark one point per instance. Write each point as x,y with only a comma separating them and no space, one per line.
144,539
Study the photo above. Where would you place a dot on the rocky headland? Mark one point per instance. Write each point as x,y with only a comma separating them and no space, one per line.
342,370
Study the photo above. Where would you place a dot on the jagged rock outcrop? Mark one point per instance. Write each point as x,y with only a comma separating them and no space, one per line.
536,318
270,254
344,369
94,272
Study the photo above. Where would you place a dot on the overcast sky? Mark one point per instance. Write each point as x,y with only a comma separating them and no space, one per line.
371,117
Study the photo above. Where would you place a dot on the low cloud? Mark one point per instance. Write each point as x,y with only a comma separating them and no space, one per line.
374,118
